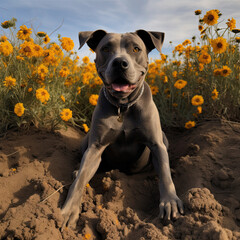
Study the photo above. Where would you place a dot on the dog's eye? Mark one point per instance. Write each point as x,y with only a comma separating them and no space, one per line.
136,49
106,49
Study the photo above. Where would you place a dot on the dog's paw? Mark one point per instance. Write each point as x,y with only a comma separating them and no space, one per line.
70,215
170,207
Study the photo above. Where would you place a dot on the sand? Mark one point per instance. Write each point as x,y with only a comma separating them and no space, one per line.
205,168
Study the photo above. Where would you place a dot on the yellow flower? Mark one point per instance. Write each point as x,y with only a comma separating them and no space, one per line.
237,39
27,49
217,72
200,28
198,12
6,48
201,67
41,34
46,39
9,82
3,38
87,236
215,94
67,43
86,60
231,24
20,58
197,100
93,99
179,84
190,124
78,90
63,98
64,72
199,110
174,74
186,42
42,71
19,109
219,45
24,32
211,17
37,50
42,95
30,90
225,71
154,90
165,80
85,127
204,58
66,114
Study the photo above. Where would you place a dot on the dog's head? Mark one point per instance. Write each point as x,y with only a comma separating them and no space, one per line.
122,59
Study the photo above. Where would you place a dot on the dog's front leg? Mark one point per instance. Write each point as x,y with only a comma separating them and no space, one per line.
170,204
89,165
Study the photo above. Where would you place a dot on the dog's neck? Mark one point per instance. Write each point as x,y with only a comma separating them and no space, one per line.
127,102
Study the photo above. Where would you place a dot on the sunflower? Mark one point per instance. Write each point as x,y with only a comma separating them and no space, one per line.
190,124
46,39
85,127
204,58
211,17
9,82
41,34
42,71
179,84
225,71
3,38
231,24
174,74
186,42
6,48
198,12
86,60
200,28
67,43
42,95
66,114
217,72
24,33
154,90
197,100
27,49
64,72
199,110
19,109
93,99
37,50
236,30
214,94
237,39
219,45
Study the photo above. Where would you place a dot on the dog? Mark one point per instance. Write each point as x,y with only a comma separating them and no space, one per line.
125,130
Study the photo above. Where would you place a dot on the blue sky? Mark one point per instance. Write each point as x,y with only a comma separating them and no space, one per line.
175,18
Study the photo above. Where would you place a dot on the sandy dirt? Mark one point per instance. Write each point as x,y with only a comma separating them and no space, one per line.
205,164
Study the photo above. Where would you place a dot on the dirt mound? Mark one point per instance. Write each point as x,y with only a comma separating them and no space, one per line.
36,172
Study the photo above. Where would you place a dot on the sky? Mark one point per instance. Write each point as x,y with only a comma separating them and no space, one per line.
68,17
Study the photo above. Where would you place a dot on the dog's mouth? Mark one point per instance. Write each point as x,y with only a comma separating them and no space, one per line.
126,88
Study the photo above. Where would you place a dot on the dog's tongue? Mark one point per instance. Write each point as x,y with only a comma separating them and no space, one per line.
121,87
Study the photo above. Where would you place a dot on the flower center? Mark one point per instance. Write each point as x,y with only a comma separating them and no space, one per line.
219,45
210,17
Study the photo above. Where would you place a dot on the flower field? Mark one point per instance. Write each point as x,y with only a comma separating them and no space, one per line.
44,83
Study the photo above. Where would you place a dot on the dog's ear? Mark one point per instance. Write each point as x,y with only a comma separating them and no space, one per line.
151,39
92,38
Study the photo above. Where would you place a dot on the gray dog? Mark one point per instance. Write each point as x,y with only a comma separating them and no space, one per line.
125,132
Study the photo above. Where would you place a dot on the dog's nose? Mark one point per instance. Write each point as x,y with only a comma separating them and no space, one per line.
120,63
